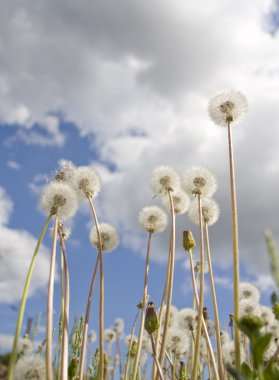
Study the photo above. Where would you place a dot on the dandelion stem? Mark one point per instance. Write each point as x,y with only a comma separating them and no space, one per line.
130,345
49,325
205,332
87,314
170,285
65,336
215,307
23,300
143,307
160,372
201,297
235,250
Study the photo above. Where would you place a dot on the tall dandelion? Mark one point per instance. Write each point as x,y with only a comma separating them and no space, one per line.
164,181
57,198
200,183
151,219
227,108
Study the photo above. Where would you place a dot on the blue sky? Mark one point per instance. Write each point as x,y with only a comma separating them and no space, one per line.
125,89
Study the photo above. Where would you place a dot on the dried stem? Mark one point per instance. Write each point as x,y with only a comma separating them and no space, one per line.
130,345
49,324
201,297
143,307
215,307
205,332
235,250
23,300
86,322
170,286
65,337
159,369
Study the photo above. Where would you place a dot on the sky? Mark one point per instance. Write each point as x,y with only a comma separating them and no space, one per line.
124,87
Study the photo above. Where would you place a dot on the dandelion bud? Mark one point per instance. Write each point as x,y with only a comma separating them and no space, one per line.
151,320
188,240
182,371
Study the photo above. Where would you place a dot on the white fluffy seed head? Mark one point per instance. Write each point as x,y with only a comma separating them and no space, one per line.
273,328
25,346
129,338
153,219
225,337
87,182
59,198
92,336
249,307
30,368
247,290
65,171
228,353
180,201
118,326
199,181
109,237
173,315
187,319
267,315
210,211
227,106
177,341
164,179
110,336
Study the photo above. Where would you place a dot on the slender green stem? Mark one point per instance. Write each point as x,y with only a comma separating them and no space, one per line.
64,362
86,322
143,307
23,300
160,316
215,307
170,286
235,250
127,364
201,298
49,325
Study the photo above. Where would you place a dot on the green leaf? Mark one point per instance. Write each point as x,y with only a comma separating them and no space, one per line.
235,373
259,348
246,370
274,298
271,372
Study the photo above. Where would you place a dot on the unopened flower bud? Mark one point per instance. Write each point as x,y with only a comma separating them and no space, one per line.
188,240
151,320
182,371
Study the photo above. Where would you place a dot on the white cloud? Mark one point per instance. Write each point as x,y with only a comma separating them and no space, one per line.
13,165
139,80
16,251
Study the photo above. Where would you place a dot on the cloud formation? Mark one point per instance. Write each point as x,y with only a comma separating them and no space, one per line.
138,76
16,250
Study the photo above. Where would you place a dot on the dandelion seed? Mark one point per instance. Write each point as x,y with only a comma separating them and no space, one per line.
247,290
87,182
153,219
109,237
227,106
180,202
164,179
58,197
199,181
210,211
30,368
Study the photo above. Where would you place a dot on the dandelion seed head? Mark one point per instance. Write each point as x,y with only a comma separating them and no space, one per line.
273,328
87,182
128,339
209,208
177,341
199,181
247,290
249,307
153,219
118,326
25,346
227,106
225,337
30,368
267,315
109,336
65,171
92,336
228,353
164,179
187,319
59,197
109,237
173,315
180,202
